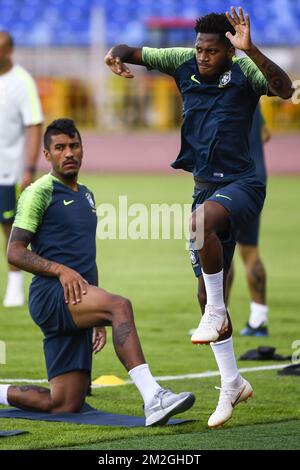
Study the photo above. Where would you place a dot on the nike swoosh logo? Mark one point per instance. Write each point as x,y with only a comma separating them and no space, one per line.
237,398
157,406
225,197
193,77
66,203
8,214
224,327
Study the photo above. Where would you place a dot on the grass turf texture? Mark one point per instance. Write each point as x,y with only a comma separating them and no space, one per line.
157,277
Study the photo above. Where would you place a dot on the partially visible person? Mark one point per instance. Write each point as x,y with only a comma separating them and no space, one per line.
20,121
248,241
57,216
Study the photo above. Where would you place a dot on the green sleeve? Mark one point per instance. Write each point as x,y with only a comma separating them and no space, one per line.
255,77
166,60
33,203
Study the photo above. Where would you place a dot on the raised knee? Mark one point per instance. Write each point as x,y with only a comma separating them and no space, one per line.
122,306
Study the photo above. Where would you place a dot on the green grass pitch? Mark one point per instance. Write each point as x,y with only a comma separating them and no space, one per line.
157,277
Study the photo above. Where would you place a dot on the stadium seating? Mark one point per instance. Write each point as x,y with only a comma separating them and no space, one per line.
67,22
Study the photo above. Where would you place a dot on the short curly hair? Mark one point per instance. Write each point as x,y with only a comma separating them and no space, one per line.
215,23
60,126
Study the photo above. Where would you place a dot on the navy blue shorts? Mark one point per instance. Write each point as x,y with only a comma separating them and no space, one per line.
8,202
244,200
249,235
66,347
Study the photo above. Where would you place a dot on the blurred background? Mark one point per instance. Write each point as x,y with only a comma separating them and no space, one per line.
131,129
63,42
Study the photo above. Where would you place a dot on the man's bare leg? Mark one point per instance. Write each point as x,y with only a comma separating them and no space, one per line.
256,279
66,394
100,308
255,272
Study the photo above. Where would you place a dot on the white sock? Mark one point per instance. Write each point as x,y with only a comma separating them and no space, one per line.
15,276
15,280
214,289
144,381
3,394
258,314
224,354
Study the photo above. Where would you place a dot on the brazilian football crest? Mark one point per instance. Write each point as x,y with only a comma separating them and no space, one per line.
193,257
225,79
91,200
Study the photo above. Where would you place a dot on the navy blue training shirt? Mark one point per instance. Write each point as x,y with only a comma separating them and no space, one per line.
64,225
217,116
257,146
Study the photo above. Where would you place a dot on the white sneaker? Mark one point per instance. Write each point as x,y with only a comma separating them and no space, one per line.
228,399
212,325
166,404
14,296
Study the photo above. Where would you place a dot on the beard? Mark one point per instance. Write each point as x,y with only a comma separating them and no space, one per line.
70,176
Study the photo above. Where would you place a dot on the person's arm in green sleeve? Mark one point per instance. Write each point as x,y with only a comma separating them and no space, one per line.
166,60
278,81
32,204
31,207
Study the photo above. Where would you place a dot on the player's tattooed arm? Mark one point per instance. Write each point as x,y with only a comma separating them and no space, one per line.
118,55
279,82
20,256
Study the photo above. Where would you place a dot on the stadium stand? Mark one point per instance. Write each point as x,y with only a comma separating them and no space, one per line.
66,22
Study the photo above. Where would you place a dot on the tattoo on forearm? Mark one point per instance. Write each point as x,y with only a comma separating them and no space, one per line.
275,76
121,333
33,262
22,257
27,388
277,79
259,277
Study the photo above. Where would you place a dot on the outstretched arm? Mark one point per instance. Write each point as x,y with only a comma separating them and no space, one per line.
19,255
165,60
118,55
278,81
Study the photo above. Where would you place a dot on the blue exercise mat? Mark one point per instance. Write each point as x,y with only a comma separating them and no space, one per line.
88,415
11,433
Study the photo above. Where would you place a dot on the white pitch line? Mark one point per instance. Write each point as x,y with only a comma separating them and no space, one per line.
166,378
29,381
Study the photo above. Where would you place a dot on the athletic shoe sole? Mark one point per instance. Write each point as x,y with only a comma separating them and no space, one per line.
222,332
